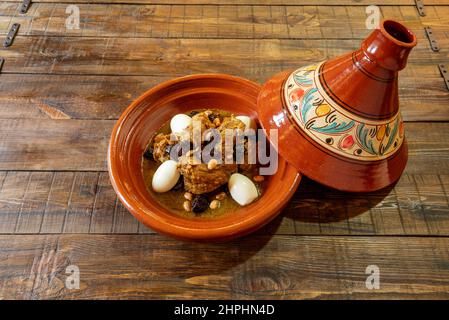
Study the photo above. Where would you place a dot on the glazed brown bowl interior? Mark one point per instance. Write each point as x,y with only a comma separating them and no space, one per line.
147,114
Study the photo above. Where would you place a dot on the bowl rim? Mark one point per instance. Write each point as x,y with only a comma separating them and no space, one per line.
233,230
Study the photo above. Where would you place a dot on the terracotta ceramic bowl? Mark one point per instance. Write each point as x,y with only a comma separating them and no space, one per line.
147,114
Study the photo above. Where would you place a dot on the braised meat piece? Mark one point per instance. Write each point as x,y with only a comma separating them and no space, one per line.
236,124
205,119
246,166
198,179
233,127
162,146
231,123
205,123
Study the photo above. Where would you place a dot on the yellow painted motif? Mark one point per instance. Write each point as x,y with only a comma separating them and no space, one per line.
381,132
322,110
310,68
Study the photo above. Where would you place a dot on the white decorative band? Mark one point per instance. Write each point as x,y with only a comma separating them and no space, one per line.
335,128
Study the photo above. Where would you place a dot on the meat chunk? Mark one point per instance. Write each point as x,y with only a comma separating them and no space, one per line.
230,126
236,124
162,145
198,179
246,166
204,122
231,123
204,119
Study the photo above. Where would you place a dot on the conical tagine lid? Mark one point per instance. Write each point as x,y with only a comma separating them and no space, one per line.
338,121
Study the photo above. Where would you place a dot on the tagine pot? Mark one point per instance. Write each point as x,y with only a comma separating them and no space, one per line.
338,121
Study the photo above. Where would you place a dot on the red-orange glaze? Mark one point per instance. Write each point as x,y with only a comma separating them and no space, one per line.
154,108
364,83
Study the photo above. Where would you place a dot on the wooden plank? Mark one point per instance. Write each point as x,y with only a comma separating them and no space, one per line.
82,202
68,96
78,202
410,206
424,100
14,189
59,199
106,97
63,202
222,21
384,213
105,206
304,209
125,223
49,144
430,187
81,145
252,2
34,203
109,215
279,267
175,57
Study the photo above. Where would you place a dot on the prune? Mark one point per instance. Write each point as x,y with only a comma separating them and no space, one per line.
148,154
200,204
179,185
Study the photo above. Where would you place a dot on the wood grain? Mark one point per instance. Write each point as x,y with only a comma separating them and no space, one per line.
103,97
256,2
51,144
218,21
85,202
77,97
106,97
176,57
62,90
81,145
279,267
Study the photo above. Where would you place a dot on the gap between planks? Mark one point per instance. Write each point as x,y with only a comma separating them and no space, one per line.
81,145
222,22
85,203
174,57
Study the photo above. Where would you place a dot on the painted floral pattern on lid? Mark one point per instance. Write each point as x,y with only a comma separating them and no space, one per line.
332,126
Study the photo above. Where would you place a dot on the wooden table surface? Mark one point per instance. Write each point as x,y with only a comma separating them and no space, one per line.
62,90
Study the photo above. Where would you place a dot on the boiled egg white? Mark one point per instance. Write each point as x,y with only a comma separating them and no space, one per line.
165,176
249,122
180,122
242,189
